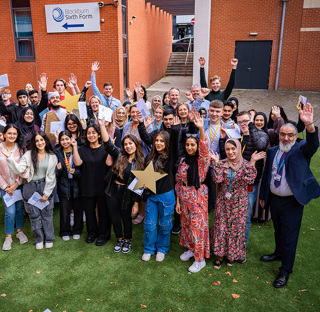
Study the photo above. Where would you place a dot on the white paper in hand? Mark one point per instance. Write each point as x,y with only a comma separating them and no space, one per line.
10,200
105,112
56,125
83,110
35,201
2,123
4,82
233,133
133,184
142,107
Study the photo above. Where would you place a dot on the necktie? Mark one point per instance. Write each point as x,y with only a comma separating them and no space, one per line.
280,169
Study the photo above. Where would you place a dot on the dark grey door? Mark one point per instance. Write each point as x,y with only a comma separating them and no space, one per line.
254,64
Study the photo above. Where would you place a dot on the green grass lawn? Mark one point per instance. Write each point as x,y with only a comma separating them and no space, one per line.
76,276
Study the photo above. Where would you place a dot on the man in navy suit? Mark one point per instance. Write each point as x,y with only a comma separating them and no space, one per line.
287,185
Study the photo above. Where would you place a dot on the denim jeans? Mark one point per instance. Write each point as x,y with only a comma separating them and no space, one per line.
13,213
252,201
161,206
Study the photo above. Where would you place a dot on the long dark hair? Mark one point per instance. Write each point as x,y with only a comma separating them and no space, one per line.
76,120
65,132
19,139
135,98
159,160
282,114
34,149
122,162
96,128
236,111
164,96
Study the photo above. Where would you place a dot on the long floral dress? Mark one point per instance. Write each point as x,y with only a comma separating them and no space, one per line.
230,215
194,207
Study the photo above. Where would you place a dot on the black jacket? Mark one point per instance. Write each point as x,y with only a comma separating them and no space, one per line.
63,182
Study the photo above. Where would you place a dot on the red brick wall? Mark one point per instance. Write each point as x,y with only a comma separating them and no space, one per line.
149,42
233,21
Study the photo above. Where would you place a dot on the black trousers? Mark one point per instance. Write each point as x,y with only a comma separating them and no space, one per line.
286,214
211,190
66,205
118,215
102,227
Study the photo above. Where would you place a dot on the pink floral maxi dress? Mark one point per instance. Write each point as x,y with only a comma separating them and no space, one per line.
194,207
230,215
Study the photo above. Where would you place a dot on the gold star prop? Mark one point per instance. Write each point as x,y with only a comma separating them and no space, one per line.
70,102
148,177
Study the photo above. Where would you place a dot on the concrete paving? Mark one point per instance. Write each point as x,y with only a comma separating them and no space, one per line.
260,100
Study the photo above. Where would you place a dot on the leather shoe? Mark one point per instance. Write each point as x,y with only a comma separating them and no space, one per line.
101,242
281,280
90,239
270,258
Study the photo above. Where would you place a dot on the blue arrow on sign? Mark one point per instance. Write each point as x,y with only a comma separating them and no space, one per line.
66,25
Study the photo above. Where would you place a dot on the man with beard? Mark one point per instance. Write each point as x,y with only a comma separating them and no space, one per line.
287,185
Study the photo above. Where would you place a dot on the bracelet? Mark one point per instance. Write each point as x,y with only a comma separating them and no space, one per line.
309,124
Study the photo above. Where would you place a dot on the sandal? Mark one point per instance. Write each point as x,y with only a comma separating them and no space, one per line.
138,220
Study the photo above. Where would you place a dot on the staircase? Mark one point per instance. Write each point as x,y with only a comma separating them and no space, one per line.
177,66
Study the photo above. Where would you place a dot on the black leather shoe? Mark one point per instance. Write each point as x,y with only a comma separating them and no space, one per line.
281,280
270,258
101,242
90,239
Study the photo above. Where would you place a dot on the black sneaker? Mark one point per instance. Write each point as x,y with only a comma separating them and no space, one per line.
230,263
118,245
126,247
241,261
176,230
217,264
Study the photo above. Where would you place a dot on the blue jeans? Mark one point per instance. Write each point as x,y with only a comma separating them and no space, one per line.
161,206
13,213
252,201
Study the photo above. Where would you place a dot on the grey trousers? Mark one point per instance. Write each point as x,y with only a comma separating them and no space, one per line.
41,220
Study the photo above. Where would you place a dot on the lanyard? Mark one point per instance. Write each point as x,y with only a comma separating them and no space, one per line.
212,139
135,131
277,162
243,146
110,102
68,161
155,125
231,177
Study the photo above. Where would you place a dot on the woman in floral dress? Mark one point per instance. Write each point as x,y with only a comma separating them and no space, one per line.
192,199
233,175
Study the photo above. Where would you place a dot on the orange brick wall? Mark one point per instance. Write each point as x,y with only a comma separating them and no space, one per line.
60,54
149,42
233,21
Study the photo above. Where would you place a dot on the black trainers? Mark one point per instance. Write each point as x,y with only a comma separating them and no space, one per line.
176,230
118,245
217,264
126,247
230,263
241,261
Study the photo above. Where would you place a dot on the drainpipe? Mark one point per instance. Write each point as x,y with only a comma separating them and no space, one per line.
280,44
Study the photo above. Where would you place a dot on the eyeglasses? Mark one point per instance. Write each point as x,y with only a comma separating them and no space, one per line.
6,93
243,122
71,124
290,135
191,135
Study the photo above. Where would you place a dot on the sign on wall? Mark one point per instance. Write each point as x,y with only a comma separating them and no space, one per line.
75,17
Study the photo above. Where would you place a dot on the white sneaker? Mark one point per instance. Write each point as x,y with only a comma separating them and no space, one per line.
22,237
160,256
186,255
71,219
7,243
39,245
197,266
76,236
146,257
66,238
49,245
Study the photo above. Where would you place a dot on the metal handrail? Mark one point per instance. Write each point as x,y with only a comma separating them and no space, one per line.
185,63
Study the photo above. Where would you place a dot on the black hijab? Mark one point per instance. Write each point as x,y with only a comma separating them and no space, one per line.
193,170
26,128
236,112
265,127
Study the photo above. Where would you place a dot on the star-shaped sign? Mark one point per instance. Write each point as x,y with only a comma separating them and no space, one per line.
70,102
148,177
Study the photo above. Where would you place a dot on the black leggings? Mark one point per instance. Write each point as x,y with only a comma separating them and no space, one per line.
117,214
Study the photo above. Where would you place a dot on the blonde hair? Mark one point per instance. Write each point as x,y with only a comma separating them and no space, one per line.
215,77
94,97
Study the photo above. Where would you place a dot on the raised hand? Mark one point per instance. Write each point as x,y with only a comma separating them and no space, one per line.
202,61
233,126
176,120
257,156
139,116
73,79
88,84
214,157
276,111
192,114
95,67
204,92
223,133
74,142
189,96
234,63
129,93
137,89
148,121
83,123
306,114
43,82
70,85
56,136
199,121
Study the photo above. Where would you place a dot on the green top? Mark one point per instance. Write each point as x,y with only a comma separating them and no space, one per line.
41,169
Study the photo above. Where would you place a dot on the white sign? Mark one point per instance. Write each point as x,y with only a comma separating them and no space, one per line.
4,82
76,17
105,112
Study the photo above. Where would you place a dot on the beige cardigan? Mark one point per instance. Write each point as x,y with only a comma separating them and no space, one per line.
25,169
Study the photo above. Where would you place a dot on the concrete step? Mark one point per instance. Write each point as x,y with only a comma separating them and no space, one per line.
177,64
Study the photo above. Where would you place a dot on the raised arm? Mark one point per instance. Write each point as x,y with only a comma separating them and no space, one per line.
76,157
230,85
203,81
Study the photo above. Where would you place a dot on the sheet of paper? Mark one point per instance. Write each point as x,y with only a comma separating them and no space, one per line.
50,116
83,110
4,81
142,107
10,200
56,125
133,184
105,112
35,201
233,133
2,123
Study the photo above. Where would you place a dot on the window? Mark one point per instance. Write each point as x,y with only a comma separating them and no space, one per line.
22,29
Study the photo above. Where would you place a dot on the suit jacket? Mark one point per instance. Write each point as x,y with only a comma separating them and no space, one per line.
301,181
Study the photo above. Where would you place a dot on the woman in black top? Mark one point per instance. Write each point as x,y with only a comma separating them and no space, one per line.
122,203
68,176
92,158
73,124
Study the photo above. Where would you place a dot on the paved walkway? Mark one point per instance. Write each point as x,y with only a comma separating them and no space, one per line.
260,100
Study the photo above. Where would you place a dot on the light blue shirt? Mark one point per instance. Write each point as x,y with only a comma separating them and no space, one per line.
198,103
110,102
229,124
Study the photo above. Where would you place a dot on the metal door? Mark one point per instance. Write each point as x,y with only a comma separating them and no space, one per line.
254,64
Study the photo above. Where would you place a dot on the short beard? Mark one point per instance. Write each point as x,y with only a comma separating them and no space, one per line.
285,148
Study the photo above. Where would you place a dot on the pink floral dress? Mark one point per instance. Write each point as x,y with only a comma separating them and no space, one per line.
194,207
230,215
